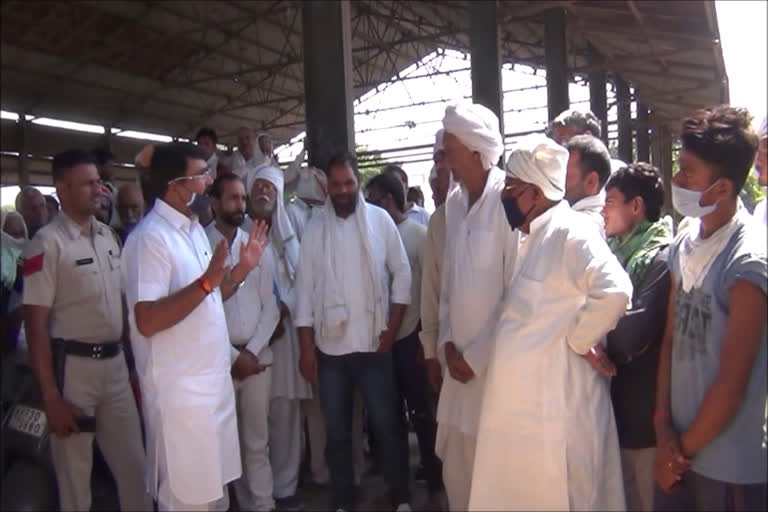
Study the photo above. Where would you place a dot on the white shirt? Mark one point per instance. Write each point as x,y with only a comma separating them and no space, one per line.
184,371
252,312
761,212
299,213
543,402
413,236
349,265
418,214
591,207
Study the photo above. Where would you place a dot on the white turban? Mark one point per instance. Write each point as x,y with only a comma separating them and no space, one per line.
312,184
616,164
282,233
541,161
477,128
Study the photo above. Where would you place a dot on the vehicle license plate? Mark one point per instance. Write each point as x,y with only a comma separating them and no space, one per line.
28,420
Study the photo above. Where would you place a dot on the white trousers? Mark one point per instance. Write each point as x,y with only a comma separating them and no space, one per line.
637,468
285,444
168,502
254,488
317,437
457,451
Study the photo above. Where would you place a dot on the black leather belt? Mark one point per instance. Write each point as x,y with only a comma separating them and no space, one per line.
92,350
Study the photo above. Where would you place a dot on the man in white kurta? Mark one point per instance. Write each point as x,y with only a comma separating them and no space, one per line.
175,285
478,255
547,437
587,171
252,316
265,187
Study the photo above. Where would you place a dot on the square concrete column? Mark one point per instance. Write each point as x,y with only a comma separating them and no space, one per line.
485,52
642,134
598,101
23,142
624,119
662,158
555,55
327,79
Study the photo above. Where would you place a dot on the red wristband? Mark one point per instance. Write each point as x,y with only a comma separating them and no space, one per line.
205,285
660,415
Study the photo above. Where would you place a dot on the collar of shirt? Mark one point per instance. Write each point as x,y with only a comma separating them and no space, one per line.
74,230
216,235
174,217
593,203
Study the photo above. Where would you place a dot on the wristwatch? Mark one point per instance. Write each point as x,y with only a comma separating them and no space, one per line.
205,285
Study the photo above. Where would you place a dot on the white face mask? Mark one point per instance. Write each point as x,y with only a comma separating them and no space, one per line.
686,202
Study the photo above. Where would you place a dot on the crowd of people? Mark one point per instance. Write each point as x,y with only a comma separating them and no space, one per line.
549,336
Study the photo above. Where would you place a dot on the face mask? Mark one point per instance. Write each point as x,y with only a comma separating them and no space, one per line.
515,216
686,202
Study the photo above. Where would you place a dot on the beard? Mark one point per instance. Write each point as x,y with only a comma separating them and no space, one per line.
235,219
262,207
344,204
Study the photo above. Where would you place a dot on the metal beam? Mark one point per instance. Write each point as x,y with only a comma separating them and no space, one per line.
556,53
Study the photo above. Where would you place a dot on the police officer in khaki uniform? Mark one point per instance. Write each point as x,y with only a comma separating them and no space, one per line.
74,323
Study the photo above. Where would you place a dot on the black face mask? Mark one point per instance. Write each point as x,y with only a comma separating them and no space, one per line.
515,216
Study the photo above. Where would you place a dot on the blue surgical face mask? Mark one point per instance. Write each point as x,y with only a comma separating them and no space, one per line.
687,202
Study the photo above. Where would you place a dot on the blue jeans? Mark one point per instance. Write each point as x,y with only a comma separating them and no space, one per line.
374,374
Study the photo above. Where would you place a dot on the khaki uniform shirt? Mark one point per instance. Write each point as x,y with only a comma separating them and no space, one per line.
77,275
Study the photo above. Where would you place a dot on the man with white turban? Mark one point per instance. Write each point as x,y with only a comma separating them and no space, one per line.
289,388
547,436
311,190
479,251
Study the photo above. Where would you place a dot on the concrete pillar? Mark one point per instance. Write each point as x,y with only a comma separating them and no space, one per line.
624,119
107,139
486,57
642,135
555,53
662,158
23,143
327,79
598,101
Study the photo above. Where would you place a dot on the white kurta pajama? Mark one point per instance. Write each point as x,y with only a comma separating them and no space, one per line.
288,387
478,260
184,371
252,316
547,436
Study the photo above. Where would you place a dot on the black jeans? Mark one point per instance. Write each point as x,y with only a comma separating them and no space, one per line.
699,493
374,374
413,385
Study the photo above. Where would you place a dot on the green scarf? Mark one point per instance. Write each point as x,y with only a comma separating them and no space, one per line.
636,251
